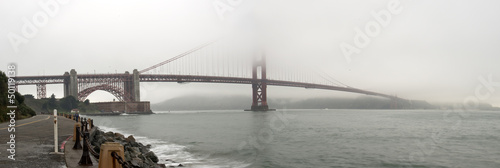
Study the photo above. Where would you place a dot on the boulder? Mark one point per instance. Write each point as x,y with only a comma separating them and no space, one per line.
152,156
130,138
137,162
136,154
127,155
108,134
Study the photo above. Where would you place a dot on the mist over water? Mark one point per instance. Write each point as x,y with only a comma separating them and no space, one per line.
316,138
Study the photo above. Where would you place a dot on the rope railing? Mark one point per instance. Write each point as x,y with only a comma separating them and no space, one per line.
120,160
112,152
91,149
87,141
85,160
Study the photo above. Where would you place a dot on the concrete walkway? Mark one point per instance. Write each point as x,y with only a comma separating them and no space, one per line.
34,141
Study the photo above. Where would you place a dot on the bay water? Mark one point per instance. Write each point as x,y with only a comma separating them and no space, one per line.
316,138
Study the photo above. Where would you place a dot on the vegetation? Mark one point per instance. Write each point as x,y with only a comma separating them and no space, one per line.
64,105
68,103
22,110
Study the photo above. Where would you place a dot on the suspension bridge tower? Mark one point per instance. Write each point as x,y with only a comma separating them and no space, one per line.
259,85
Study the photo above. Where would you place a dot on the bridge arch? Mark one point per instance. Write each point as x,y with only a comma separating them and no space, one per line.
115,91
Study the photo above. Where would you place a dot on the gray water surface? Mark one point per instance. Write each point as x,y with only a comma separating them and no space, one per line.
317,138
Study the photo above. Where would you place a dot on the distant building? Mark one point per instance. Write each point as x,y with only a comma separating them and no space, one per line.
75,111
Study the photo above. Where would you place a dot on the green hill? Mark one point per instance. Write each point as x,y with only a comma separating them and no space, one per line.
22,110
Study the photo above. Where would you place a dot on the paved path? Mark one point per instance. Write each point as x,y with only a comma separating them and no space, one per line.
34,140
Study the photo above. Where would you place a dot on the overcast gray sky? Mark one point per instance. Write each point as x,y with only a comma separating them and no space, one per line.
430,50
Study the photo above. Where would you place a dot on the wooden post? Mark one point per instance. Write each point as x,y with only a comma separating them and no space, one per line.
105,158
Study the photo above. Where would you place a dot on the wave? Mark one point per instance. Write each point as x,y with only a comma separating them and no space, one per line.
172,154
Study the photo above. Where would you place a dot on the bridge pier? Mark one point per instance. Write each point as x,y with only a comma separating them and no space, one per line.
137,88
71,84
132,87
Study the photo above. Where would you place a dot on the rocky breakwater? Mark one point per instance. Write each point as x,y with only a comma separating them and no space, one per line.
136,154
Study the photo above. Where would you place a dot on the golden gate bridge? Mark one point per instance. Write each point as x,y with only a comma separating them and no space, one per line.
208,63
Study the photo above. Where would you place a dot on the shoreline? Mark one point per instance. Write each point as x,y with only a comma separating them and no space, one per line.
136,153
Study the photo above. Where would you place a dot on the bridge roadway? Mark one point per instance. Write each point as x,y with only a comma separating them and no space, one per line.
59,79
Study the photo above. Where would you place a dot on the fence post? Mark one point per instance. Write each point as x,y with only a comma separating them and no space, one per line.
85,159
105,158
77,125
56,141
88,124
77,142
81,128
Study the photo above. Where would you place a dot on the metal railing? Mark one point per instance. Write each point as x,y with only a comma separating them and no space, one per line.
88,148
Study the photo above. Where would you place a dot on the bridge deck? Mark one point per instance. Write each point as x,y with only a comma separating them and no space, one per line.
32,80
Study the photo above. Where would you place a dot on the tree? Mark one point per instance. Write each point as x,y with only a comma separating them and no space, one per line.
45,108
52,103
68,103
87,102
3,97
19,98
22,111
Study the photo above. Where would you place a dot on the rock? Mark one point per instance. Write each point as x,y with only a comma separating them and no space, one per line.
137,162
135,153
93,135
108,134
144,149
109,139
148,161
130,138
127,155
152,156
134,144
119,137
